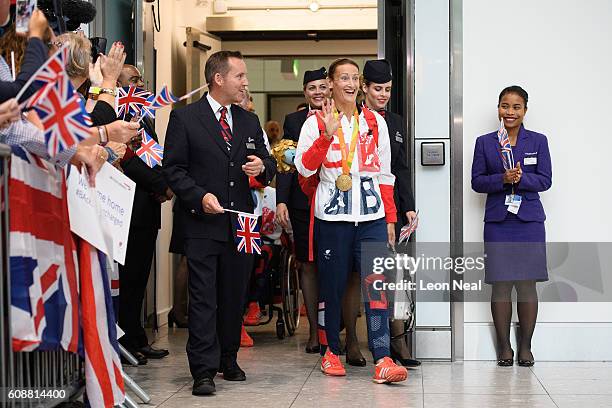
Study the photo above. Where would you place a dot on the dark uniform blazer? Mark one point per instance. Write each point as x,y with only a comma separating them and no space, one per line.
288,189
196,162
402,191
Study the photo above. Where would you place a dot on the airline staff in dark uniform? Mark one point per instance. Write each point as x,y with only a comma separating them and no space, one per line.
212,148
292,203
377,83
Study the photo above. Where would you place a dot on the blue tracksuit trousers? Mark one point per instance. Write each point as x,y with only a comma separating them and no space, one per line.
339,253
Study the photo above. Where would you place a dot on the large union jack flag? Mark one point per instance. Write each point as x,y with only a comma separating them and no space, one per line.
49,73
43,268
248,239
63,115
131,101
505,147
150,151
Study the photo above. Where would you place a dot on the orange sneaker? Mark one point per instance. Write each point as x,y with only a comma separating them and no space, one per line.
253,315
245,339
388,372
331,365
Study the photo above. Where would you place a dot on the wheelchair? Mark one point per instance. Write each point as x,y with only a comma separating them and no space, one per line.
281,296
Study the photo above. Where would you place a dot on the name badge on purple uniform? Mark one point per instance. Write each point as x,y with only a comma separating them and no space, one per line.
515,203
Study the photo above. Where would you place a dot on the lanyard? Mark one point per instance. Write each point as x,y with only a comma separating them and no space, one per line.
347,158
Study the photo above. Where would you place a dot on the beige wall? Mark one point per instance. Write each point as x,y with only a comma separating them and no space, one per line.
177,15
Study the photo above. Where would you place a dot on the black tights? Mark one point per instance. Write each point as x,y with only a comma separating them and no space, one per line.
501,309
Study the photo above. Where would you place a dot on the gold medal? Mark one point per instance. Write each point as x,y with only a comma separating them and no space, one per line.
344,182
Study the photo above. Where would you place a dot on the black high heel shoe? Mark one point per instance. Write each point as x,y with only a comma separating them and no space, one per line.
506,362
526,363
406,362
174,321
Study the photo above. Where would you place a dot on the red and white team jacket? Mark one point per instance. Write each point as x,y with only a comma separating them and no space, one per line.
371,196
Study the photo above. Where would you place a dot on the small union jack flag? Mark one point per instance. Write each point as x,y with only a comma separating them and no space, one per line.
63,116
505,147
131,101
50,72
408,229
150,151
248,239
164,98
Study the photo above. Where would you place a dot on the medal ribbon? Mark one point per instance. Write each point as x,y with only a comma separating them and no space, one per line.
347,158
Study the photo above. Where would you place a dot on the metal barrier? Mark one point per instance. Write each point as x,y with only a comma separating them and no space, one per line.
30,379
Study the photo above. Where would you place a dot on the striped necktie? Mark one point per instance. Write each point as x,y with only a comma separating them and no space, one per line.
226,131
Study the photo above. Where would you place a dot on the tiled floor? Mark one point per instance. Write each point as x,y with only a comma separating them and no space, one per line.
280,374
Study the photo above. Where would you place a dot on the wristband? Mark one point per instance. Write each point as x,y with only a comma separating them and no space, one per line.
108,91
95,90
103,134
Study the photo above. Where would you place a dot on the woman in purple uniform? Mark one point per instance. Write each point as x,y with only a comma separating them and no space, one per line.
514,233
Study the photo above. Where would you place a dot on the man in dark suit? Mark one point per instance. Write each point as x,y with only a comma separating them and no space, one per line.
292,203
151,191
212,149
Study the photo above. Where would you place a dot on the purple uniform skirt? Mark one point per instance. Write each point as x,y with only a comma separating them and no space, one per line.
515,249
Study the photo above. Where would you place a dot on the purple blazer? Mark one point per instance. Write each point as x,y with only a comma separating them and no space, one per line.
488,175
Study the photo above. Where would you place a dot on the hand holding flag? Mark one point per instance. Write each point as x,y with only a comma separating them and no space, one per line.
408,229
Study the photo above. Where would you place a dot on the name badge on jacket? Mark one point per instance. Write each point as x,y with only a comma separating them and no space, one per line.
250,145
398,137
530,160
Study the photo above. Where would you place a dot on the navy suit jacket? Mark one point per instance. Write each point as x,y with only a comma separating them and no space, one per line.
488,175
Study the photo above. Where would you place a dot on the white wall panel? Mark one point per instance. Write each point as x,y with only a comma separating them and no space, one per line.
431,69
432,183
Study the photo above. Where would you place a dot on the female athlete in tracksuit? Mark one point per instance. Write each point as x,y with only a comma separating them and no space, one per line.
347,150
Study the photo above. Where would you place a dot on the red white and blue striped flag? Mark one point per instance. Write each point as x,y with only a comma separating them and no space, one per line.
505,147
43,267
248,239
103,372
63,116
150,151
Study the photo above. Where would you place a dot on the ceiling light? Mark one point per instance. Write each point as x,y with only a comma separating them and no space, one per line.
314,6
